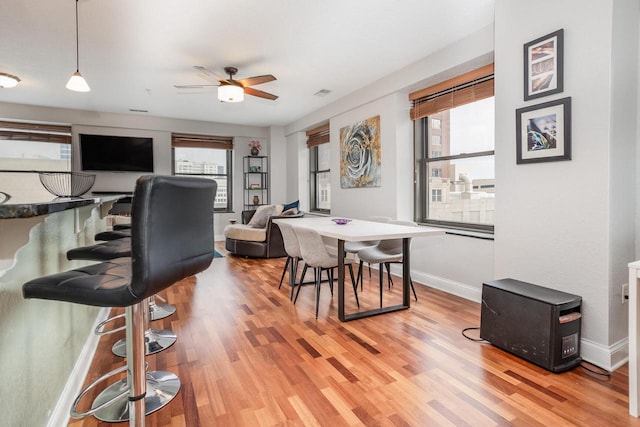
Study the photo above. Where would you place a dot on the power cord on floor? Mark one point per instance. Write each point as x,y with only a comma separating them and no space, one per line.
597,371
470,338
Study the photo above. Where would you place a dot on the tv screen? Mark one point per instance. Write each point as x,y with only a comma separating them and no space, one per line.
116,153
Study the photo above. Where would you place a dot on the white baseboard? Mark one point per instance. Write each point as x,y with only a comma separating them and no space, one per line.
60,415
463,290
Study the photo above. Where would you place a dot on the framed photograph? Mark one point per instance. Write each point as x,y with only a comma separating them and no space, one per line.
543,132
543,69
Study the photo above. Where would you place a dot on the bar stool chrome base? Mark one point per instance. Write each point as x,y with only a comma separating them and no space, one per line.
160,311
155,340
162,387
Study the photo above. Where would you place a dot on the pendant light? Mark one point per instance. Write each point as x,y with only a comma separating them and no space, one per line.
77,83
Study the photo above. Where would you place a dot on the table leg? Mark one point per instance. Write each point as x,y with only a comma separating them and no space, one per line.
406,273
341,256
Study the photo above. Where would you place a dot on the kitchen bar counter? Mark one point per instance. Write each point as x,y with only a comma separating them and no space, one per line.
17,208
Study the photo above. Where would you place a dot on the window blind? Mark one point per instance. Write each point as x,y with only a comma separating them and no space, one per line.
19,131
464,89
318,136
201,141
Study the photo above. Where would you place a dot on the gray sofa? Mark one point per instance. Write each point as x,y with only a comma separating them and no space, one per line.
243,240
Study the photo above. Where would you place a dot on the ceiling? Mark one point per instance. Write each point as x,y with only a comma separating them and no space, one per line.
132,53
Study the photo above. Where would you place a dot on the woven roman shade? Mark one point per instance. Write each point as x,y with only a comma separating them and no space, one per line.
464,89
318,136
17,131
201,141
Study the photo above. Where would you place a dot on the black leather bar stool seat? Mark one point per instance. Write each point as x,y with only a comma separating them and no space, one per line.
121,226
171,239
113,235
104,251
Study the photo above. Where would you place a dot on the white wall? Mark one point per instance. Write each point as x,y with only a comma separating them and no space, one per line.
456,264
160,129
567,225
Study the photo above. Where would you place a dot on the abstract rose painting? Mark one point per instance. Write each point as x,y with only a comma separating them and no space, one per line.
360,154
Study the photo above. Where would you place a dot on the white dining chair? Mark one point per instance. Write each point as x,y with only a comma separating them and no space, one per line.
315,255
385,253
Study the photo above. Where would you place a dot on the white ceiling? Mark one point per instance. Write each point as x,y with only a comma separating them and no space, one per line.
133,52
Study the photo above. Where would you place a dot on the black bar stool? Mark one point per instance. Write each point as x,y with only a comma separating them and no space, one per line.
172,238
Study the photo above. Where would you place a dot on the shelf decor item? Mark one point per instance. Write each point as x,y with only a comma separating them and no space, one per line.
256,146
256,200
67,184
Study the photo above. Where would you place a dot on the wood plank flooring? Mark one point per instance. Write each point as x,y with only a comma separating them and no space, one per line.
246,356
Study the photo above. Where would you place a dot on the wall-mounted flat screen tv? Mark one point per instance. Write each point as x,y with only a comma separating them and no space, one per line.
116,153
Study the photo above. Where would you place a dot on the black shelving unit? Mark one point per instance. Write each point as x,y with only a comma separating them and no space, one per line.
256,181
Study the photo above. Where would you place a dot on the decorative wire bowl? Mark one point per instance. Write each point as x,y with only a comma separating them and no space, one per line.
67,184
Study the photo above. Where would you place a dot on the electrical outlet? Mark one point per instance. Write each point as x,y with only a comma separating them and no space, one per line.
625,293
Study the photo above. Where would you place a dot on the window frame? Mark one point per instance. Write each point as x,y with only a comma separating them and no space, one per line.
426,101
314,172
315,138
211,143
37,132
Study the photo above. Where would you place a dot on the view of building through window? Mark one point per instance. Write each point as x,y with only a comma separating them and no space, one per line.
460,168
320,178
206,163
16,155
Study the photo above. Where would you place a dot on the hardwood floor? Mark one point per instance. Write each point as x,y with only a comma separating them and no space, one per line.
246,356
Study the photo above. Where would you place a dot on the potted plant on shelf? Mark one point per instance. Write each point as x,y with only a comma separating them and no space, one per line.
256,146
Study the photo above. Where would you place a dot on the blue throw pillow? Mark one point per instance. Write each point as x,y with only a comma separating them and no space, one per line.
288,206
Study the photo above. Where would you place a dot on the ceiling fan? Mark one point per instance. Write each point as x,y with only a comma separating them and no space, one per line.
230,90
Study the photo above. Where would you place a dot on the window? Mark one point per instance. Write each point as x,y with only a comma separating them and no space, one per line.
319,171
455,157
28,147
207,157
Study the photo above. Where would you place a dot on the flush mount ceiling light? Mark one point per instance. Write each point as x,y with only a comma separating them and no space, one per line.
8,80
77,83
231,92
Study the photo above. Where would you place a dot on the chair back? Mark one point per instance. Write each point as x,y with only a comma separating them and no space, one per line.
394,245
290,240
172,231
312,248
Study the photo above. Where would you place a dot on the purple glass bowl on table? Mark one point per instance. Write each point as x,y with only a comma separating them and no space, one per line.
341,221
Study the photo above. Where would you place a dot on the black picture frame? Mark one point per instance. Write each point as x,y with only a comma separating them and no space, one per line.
543,132
543,66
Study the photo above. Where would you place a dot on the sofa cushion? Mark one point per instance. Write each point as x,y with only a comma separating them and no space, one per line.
288,206
260,218
245,232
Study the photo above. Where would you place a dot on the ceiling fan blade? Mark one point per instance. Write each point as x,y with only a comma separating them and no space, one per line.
259,93
206,73
193,86
256,80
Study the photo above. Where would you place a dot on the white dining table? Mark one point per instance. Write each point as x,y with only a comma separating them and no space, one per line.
360,230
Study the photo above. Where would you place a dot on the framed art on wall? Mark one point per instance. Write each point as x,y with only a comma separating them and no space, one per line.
360,154
543,132
543,65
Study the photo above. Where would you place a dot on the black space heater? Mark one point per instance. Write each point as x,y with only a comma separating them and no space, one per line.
538,324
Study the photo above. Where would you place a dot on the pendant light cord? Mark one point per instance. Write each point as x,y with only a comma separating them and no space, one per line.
77,41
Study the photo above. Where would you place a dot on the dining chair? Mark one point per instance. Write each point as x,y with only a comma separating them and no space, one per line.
355,247
292,248
315,255
385,253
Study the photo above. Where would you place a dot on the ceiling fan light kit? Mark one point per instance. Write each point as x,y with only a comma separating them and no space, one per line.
77,83
8,80
231,93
